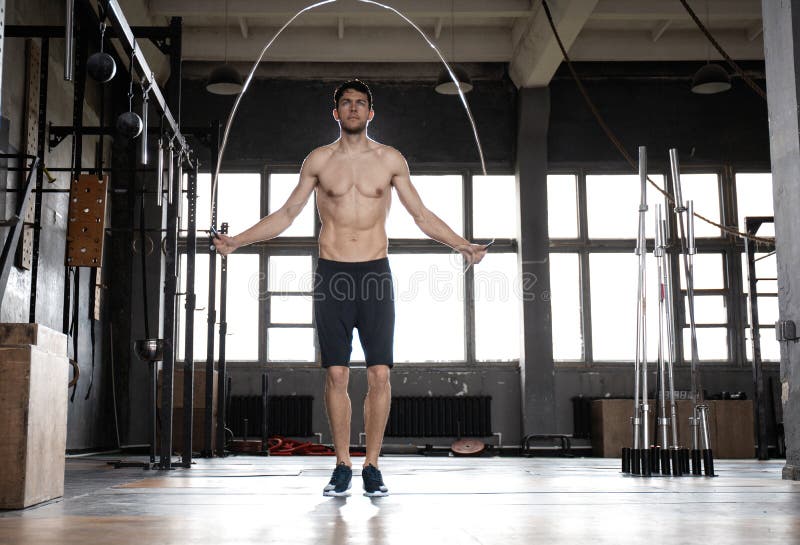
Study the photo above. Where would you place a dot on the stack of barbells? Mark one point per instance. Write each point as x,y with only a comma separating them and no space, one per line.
662,454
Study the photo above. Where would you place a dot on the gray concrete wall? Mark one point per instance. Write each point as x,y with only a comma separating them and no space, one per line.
650,104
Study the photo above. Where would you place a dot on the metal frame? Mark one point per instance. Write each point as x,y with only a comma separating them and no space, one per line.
127,38
752,224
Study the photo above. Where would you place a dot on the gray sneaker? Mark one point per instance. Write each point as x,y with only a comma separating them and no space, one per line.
373,482
340,481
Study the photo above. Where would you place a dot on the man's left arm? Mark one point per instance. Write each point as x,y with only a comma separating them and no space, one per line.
428,222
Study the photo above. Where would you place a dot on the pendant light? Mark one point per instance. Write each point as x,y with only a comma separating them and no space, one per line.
445,84
711,78
225,79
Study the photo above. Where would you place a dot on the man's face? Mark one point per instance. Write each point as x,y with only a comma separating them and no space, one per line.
353,111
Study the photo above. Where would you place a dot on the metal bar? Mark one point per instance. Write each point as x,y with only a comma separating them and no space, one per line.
670,332
212,311
170,289
689,273
145,123
3,35
583,261
640,363
78,100
160,172
686,230
658,252
175,60
69,34
58,31
188,360
223,330
153,387
264,413
126,36
171,173
42,128
12,239
68,130
469,277
760,412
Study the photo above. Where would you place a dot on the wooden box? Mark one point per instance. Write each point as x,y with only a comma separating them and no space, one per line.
33,414
199,412
730,424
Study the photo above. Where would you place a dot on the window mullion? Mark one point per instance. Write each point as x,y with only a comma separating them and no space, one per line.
583,256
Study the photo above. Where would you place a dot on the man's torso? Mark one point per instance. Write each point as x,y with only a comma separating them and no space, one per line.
354,193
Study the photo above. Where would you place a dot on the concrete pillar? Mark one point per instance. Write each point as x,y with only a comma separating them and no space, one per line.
782,49
536,362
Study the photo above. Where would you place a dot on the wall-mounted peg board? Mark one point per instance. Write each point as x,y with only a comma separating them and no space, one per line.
86,222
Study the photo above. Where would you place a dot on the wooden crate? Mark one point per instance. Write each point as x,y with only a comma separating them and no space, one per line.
33,414
730,424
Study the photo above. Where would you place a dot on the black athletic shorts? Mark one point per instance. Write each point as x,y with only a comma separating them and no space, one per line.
354,294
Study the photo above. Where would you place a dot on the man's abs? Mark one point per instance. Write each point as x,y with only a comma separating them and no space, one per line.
352,245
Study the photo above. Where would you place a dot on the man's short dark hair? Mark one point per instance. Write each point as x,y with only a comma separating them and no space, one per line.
356,85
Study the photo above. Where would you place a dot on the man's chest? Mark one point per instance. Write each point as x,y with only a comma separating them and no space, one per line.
367,177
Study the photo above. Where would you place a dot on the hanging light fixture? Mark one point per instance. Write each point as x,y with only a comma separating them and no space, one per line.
445,84
711,78
225,79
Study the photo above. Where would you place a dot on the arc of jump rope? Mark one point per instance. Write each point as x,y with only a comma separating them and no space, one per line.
249,78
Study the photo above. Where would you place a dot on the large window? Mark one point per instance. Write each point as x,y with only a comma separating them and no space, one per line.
443,314
753,199
566,306
594,270
496,284
441,194
290,335
429,307
612,203
280,188
238,201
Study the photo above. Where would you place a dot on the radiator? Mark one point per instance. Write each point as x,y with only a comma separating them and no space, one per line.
289,416
463,416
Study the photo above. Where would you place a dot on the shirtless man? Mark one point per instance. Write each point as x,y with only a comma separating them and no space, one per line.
353,178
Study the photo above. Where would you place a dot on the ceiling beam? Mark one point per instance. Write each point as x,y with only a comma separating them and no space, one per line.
659,30
754,31
676,45
345,8
638,10
536,53
385,44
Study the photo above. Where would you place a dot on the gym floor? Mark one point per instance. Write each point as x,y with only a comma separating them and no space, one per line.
244,499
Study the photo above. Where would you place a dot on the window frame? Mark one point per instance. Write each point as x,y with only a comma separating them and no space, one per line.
287,246
730,248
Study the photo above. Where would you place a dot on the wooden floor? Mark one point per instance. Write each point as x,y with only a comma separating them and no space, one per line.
509,501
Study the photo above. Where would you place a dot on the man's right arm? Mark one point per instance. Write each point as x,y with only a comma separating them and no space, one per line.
276,223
